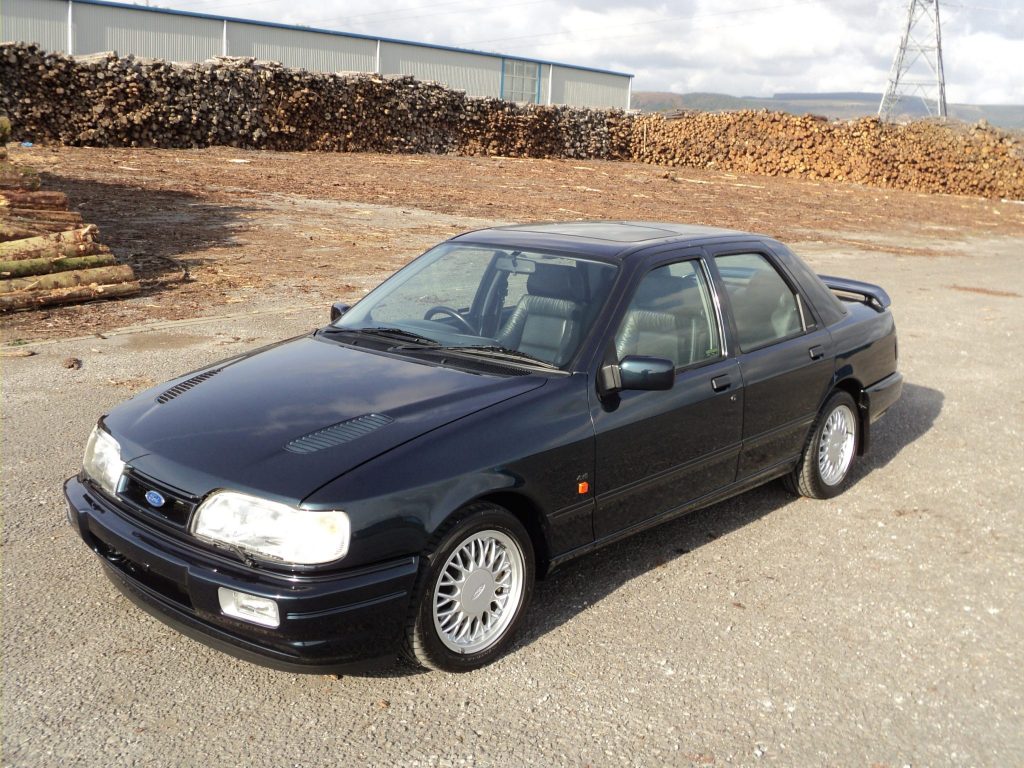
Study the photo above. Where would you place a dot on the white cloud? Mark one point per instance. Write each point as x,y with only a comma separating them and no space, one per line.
742,47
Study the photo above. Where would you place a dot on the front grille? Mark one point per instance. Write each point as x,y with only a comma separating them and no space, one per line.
176,509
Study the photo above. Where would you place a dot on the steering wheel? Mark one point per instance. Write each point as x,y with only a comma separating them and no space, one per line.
440,309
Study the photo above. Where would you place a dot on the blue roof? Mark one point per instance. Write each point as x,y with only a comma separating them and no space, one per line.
297,28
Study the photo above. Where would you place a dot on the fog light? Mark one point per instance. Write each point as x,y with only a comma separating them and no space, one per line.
258,610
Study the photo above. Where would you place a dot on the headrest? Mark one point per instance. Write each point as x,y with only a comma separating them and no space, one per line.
654,293
764,289
555,282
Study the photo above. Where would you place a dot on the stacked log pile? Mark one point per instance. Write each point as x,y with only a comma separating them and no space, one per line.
926,156
108,101
48,255
105,100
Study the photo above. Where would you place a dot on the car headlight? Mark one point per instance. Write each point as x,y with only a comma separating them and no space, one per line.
102,460
271,529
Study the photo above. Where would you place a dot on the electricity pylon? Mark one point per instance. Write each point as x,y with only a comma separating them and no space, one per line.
917,68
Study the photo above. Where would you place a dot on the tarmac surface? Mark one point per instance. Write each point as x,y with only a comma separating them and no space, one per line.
881,628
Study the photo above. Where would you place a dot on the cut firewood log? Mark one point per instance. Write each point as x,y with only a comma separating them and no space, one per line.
15,177
56,251
32,245
27,267
68,218
34,226
57,201
31,299
10,232
100,276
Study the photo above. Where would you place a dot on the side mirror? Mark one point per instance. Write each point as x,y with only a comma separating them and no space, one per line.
338,309
639,372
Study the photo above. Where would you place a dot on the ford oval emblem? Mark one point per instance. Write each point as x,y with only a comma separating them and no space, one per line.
155,499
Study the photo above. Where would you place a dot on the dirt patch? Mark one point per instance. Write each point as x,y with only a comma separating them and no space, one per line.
985,291
317,227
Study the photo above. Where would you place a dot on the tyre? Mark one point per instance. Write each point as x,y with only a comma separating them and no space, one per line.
472,591
824,467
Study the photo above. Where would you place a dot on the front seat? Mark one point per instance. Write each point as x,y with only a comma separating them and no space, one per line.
546,321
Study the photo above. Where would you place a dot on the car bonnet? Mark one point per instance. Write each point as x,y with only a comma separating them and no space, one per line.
286,420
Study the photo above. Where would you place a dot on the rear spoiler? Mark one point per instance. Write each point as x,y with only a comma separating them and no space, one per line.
866,292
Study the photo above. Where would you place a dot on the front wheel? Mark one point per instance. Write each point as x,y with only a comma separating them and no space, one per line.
472,592
828,455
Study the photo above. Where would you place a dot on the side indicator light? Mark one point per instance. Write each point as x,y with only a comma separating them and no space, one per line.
583,488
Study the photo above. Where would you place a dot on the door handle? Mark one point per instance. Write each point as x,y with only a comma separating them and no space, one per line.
720,383
816,352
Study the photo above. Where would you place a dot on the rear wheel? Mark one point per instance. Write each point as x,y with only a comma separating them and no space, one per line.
472,591
824,467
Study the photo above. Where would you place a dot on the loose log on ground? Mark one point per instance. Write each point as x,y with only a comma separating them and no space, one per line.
32,226
68,218
57,201
28,267
14,177
100,276
32,299
57,251
9,231
33,245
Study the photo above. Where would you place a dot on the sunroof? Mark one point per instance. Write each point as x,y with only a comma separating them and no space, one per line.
615,232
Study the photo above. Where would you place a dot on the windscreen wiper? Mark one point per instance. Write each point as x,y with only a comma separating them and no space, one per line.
483,350
386,333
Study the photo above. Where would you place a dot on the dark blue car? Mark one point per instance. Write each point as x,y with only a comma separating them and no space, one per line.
516,397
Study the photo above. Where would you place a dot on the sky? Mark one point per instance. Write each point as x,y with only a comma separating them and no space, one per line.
738,47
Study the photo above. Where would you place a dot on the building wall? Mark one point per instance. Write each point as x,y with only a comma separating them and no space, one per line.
476,75
180,36
314,51
155,35
37,21
582,88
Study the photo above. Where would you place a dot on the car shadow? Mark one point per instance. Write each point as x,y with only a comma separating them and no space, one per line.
580,584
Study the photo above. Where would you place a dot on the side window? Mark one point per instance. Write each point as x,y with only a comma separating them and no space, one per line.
671,316
763,305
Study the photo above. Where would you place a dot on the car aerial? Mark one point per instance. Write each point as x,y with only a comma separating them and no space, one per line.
394,482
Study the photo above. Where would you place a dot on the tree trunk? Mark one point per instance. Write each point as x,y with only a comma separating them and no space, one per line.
68,217
57,251
57,201
12,248
30,299
72,279
18,178
26,267
20,223
11,232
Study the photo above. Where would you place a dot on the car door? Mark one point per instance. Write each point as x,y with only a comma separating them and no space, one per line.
786,358
658,451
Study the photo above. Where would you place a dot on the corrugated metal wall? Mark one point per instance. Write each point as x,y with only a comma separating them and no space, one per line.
157,35
314,51
474,74
580,88
176,36
36,21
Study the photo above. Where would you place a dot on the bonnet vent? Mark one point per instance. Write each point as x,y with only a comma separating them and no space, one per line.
338,434
186,385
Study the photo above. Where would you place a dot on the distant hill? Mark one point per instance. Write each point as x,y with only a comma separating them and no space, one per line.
837,106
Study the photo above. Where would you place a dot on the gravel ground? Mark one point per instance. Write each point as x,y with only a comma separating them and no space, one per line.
880,628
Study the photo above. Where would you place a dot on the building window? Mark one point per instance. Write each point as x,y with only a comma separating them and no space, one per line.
520,81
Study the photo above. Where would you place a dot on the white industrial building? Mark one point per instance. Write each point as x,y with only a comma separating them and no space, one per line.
92,26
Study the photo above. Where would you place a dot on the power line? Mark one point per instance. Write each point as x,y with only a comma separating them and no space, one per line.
661,20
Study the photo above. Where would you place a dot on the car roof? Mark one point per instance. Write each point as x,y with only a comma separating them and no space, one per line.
611,239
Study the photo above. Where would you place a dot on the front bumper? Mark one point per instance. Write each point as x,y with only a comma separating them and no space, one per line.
329,623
